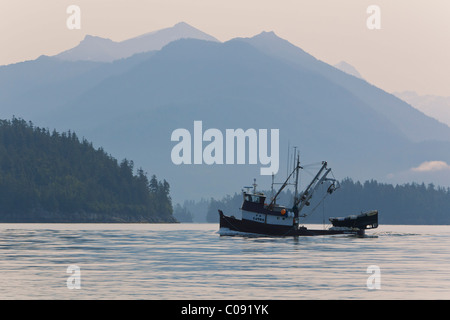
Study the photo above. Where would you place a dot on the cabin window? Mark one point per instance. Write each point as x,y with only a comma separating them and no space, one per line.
255,199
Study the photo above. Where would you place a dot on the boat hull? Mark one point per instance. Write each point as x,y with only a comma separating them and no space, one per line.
365,220
247,226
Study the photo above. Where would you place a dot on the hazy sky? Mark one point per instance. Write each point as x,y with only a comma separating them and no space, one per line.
411,51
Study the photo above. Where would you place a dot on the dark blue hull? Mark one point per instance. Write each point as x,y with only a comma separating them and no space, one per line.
247,226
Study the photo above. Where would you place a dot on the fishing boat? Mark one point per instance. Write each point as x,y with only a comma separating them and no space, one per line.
262,218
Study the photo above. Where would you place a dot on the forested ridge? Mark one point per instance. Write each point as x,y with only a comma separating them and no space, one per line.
410,203
56,177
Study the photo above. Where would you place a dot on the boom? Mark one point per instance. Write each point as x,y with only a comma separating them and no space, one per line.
306,195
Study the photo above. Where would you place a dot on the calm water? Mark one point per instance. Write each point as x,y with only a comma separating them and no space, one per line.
191,261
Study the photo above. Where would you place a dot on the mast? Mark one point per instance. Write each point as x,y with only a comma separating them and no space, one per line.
296,178
273,181
306,195
286,182
302,199
287,166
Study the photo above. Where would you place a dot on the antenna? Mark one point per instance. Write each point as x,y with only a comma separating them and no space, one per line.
288,158
294,158
273,181
296,178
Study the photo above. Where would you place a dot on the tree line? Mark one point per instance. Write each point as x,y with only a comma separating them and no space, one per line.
56,177
410,203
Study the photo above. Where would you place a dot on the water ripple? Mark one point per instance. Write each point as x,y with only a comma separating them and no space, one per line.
191,261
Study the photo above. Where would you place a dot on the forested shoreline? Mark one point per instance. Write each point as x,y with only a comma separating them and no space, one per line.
410,203
56,177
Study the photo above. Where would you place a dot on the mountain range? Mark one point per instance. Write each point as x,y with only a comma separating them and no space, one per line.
437,107
348,68
129,102
93,48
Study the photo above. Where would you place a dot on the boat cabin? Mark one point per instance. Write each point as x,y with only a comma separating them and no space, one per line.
258,198
254,208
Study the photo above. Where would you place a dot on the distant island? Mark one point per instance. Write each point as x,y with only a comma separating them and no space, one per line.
55,177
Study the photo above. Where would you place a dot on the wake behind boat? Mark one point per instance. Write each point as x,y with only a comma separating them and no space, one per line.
273,219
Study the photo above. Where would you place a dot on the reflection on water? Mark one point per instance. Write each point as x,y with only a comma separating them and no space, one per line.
192,261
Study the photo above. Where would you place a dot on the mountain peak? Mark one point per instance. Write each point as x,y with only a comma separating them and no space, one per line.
89,37
100,49
348,68
182,24
94,39
269,37
266,34
272,44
